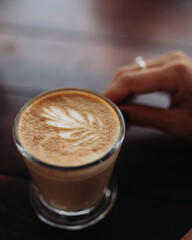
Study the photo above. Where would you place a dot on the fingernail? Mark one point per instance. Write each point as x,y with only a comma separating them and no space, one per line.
125,115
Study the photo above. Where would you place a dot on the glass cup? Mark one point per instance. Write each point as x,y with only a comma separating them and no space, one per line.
72,197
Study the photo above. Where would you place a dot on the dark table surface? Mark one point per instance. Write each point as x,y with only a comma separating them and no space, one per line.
80,43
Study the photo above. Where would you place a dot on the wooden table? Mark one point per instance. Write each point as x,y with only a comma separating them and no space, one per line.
80,43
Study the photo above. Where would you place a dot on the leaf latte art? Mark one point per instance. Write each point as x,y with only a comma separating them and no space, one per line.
76,127
69,127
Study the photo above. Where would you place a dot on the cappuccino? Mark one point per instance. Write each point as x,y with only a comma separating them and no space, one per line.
69,128
70,139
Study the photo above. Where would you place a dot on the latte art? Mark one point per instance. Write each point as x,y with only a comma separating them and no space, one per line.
76,126
69,128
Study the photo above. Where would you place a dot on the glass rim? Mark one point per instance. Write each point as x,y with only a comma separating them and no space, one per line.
25,153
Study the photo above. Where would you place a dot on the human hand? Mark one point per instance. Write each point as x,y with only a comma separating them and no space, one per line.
171,73
188,236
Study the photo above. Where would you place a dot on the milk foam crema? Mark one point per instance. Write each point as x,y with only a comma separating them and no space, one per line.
69,127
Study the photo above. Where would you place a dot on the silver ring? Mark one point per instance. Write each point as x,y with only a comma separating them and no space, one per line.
140,62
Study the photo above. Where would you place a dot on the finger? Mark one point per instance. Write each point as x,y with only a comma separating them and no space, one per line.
134,67
176,123
151,63
167,58
147,116
149,80
188,236
154,62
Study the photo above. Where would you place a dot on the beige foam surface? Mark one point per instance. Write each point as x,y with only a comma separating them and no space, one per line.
69,128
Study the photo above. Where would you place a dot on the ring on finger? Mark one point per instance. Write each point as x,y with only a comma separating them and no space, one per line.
140,62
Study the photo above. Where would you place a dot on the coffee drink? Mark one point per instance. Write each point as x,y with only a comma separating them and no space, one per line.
69,141
69,128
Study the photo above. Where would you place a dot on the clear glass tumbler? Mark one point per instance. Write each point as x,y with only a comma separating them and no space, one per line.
72,197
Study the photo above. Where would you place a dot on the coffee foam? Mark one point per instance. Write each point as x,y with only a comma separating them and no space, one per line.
76,127
69,128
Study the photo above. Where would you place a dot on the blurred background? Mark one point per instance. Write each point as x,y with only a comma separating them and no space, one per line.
53,43
47,44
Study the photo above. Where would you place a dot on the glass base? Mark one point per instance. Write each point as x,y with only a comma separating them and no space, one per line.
72,220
